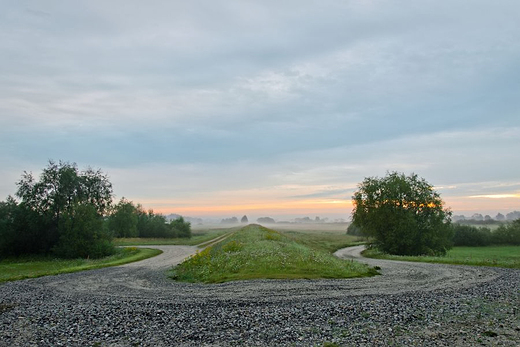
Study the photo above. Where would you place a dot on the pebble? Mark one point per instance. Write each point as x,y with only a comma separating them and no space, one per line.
39,312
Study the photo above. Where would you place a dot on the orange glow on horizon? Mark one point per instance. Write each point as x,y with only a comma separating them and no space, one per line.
292,207
215,206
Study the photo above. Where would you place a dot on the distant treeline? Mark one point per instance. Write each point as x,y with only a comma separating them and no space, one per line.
130,220
69,213
487,219
269,220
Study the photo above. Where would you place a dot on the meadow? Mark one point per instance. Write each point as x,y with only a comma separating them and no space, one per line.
497,256
254,252
324,236
37,266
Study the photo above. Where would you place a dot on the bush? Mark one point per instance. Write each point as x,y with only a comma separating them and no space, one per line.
467,235
508,234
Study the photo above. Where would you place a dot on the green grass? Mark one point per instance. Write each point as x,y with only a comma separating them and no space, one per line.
324,240
497,256
255,252
325,236
200,236
37,266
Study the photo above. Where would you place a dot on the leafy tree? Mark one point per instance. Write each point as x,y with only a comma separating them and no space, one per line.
51,212
150,224
20,230
124,219
244,220
403,214
60,187
513,215
82,234
180,228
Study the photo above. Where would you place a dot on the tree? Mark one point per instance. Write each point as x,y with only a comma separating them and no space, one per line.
52,209
20,230
61,187
180,228
244,220
82,234
403,215
123,220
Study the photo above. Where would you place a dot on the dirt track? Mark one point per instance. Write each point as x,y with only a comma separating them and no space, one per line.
136,304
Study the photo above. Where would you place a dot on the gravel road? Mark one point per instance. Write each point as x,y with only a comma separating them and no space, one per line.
410,304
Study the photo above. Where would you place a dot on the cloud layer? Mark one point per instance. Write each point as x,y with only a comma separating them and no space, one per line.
201,106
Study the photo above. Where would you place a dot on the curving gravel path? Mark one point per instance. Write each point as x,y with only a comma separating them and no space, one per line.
411,304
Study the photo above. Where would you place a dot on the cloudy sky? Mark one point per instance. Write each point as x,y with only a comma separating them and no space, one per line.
278,108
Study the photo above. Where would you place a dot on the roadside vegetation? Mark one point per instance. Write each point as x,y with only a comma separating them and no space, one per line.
199,237
477,246
12,269
255,252
497,256
327,237
504,234
68,214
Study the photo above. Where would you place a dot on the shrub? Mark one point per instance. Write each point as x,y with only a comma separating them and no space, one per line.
467,235
508,234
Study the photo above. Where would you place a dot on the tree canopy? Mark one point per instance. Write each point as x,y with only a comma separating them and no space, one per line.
403,214
62,212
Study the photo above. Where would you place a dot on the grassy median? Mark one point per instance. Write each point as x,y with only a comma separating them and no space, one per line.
497,256
255,252
37,266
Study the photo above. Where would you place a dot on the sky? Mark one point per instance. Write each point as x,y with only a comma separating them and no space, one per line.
265,108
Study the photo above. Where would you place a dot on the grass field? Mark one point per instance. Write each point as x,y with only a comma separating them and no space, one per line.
325,236
257,252
199,236
497,256
37,266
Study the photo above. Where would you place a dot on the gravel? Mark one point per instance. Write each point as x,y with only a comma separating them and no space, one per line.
410,304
